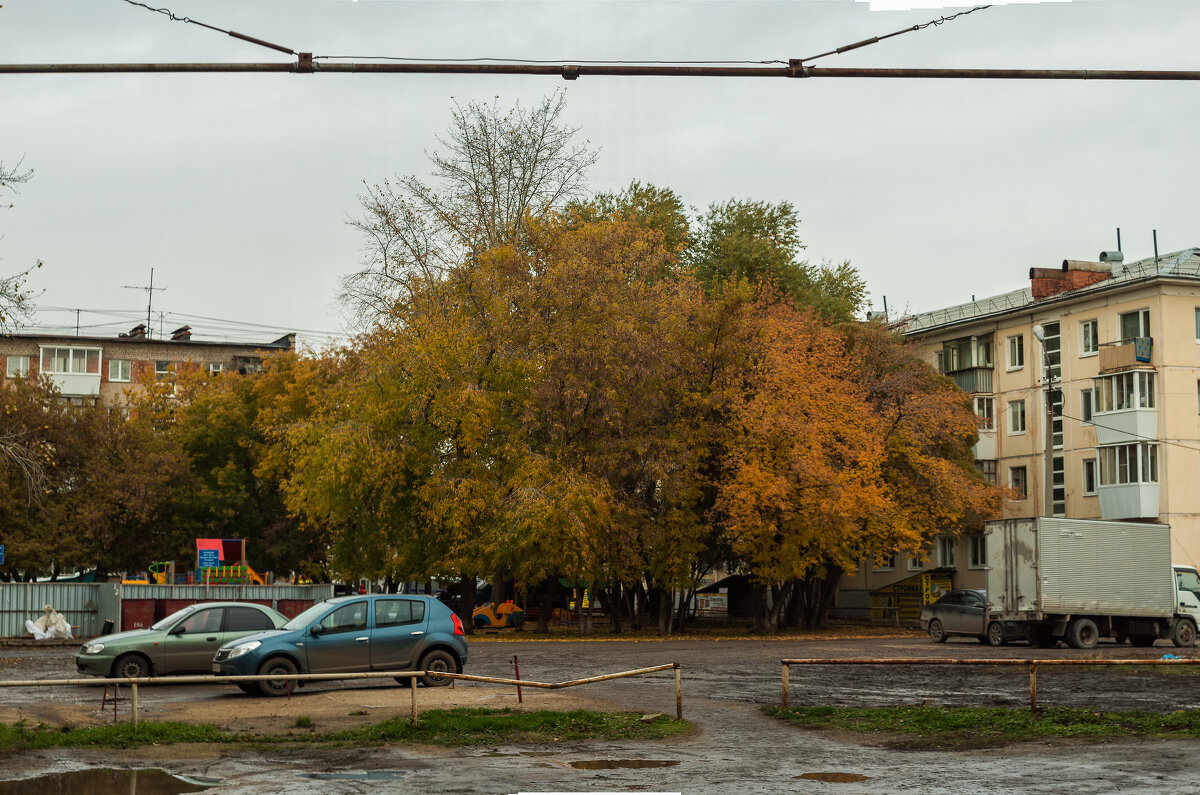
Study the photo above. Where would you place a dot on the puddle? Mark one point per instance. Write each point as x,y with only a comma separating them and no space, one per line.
610,764
101,781
836,778
362,775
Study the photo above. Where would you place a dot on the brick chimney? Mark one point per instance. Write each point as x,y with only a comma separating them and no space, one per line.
1074,274
137,332
181,334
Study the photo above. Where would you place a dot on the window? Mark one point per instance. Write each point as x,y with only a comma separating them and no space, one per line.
347,618
1134,324
1058,481
885,562
1128,463
945,548
1018,482
67,361
1052,345
987,469
17,366
1089,341
203,621
1016,352
1085,403
164,370
915,562
215,368
119,369
978,546
1198,324
392,612
248,364
1124,391
246,619
985,407
1089,476
1016,417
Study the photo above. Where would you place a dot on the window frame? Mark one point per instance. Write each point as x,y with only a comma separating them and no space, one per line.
1091,476
946,544
90,353
1015,345
977,551
1089,334
1016,410
128,370
10,372
1022,480
1143,322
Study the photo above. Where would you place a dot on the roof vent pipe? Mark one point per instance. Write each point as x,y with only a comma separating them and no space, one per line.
1084,265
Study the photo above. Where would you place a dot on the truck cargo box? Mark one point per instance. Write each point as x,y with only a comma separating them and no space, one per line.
1043,566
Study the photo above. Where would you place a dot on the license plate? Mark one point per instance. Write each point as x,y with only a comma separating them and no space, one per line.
216,669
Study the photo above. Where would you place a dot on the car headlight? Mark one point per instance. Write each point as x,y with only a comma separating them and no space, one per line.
93,648
242,648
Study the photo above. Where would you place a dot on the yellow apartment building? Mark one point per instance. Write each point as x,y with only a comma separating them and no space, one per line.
1114,349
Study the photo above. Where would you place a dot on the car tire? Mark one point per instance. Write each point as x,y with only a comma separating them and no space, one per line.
995,634
437,661
1083,634
248,689
1184,634
131,666
937,633
276,666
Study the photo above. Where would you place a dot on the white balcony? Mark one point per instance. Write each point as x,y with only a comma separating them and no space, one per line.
985,448
1125,426
1129,501
77,384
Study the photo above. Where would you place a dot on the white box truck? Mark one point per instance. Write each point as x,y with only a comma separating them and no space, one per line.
1079,580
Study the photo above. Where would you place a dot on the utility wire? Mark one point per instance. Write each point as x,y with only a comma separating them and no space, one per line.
877,39
171,15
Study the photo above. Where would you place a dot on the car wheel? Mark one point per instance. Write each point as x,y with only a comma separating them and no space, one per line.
1083,634
276,666
1184,634
131,666
995,634
437,662
937,633
1142,640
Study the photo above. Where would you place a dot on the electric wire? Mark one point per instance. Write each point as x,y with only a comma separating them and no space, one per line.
175,18
877,39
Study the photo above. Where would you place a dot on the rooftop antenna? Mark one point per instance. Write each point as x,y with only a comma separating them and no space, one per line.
1155,246
150,299
1118,238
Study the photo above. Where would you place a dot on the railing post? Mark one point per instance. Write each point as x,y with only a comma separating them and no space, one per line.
412,689
1033,686
785,685
135,705
678,694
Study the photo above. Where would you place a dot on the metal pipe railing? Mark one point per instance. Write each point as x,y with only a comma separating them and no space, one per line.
289,678
1032,664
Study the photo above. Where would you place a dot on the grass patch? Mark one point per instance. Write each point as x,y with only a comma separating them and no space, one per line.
985,727
435,727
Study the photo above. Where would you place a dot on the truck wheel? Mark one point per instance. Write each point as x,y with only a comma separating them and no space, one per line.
995,634
1184,634
937,633
1083,634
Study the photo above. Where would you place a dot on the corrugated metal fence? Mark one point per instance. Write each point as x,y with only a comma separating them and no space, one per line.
87,605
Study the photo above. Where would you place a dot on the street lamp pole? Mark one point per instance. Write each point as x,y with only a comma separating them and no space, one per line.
1048,474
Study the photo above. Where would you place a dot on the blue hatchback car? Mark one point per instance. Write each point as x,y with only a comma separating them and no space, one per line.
352,634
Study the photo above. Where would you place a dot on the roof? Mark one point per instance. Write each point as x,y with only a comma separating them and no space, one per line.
286,342
1183,264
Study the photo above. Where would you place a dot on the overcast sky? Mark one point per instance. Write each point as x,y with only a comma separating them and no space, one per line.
236,189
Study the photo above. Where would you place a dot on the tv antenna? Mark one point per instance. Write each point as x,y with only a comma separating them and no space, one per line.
150,299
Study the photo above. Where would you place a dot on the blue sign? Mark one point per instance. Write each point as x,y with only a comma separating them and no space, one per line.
210,558
1,554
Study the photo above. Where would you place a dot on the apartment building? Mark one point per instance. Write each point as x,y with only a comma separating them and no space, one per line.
90,369
1087,386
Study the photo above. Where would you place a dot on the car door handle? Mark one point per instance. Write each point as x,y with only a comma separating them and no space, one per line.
212,639
364,638
419,632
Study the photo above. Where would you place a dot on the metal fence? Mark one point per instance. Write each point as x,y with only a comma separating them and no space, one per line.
1031,664
411,675
87,605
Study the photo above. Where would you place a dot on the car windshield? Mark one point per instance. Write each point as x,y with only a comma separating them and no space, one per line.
166,623
309,616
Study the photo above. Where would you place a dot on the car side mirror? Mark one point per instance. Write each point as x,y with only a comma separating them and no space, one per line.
314,630
178,629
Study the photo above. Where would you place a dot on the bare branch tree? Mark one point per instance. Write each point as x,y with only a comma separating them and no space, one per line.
494,166
16,302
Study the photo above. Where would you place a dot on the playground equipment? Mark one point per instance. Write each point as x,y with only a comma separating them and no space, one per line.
230,575
157,573
506,614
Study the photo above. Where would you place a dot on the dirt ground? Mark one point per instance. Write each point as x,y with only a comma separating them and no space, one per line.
734,747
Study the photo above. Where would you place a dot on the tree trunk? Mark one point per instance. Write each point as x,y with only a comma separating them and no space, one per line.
612,598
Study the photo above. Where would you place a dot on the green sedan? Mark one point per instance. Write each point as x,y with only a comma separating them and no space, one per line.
183,642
